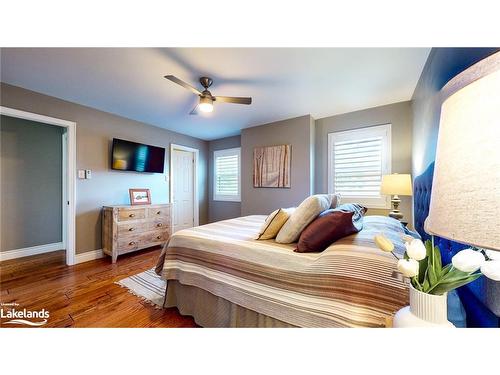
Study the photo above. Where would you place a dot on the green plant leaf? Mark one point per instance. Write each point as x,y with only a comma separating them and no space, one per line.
454,274
438,266
428,247
431,275
422,269
446,269
447,286
425,286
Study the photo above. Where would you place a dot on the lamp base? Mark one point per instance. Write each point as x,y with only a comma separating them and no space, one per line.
395,213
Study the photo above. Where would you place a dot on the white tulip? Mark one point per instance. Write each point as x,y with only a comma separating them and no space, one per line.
493,255
416,249
468,260
408,267
491,269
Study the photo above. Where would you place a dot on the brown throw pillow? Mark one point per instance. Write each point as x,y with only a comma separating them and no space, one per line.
326,229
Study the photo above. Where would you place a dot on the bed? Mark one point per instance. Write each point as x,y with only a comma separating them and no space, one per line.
221,276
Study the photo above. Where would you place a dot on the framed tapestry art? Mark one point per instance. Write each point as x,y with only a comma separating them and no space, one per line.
271,166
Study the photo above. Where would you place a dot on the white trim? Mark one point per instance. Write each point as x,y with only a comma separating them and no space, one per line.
69,225
28,251
64,188
227,152
196,203
383,202
88,256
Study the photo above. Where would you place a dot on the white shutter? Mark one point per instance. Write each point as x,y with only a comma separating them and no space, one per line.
357,160
227,175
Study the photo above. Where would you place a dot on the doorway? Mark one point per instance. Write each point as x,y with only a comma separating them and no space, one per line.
68,194
183,187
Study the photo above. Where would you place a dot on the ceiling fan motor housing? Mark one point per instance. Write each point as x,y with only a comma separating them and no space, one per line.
206,82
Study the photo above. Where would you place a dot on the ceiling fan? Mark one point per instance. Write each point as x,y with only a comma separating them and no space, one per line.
207,100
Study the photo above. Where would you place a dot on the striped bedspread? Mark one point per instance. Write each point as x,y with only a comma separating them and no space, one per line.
350,284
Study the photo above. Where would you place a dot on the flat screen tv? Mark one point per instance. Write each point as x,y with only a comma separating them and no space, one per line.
137,157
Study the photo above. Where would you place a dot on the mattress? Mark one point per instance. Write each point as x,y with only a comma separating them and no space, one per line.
350,284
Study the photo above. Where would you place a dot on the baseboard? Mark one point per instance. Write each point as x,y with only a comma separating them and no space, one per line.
88,256
40,249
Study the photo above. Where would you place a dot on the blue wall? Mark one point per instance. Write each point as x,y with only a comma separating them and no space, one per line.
442,65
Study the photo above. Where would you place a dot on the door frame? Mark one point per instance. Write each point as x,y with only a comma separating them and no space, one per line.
69,174
196,203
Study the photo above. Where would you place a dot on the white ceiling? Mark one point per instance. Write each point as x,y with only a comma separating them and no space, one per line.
283,82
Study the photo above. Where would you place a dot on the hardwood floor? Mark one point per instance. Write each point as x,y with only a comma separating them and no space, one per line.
84,295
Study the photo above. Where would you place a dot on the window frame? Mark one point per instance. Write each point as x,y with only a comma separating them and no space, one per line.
222,153
385,130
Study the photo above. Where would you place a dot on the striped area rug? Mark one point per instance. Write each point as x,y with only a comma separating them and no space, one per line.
146,285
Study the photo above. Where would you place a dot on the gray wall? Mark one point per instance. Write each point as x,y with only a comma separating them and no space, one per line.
442,65
220,210
95,129
398,114
297,132
31,183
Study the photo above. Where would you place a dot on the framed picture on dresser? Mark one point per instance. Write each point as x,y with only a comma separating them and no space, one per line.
139,196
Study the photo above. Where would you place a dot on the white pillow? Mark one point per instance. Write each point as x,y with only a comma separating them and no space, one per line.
335,200
307,211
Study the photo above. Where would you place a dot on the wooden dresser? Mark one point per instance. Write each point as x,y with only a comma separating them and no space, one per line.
130,228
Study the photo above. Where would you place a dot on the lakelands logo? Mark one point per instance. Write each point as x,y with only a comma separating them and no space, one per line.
23,316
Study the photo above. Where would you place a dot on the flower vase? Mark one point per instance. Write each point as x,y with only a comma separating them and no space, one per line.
425,310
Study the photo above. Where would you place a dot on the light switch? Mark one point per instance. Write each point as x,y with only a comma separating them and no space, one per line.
81,174
88,174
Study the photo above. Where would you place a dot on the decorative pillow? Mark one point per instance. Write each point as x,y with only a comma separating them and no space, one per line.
335,200
331,226
358,209
307,211
273,223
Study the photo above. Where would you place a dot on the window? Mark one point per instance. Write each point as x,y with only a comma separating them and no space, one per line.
227,180
357,159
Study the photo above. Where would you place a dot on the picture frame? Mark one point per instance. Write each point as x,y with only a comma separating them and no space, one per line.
139,196
271,166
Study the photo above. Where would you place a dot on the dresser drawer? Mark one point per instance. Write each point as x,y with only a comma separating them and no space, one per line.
160,212
159,224
126,245
131,228
131,214
159,236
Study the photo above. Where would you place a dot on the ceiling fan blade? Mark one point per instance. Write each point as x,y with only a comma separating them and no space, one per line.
194,111
183,84
233,99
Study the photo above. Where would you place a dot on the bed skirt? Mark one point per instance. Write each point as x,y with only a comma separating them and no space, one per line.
211,311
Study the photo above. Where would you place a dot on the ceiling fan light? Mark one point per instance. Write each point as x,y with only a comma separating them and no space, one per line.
206,104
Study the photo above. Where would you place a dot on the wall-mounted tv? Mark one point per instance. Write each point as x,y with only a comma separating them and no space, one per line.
137,157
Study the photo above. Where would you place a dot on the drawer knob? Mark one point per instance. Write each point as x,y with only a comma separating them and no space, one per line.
131,215
159,212
131,243
159,225
131,229
158,237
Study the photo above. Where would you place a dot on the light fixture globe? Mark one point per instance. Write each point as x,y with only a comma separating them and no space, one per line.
206,104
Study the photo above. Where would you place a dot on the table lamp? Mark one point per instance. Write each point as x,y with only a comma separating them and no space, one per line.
396,185
465,200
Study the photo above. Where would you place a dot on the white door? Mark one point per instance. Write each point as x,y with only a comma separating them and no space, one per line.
183,189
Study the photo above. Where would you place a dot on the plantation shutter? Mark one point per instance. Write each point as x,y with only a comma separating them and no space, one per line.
227,174
358,160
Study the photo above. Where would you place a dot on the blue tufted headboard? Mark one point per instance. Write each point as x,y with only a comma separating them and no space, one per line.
472,295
